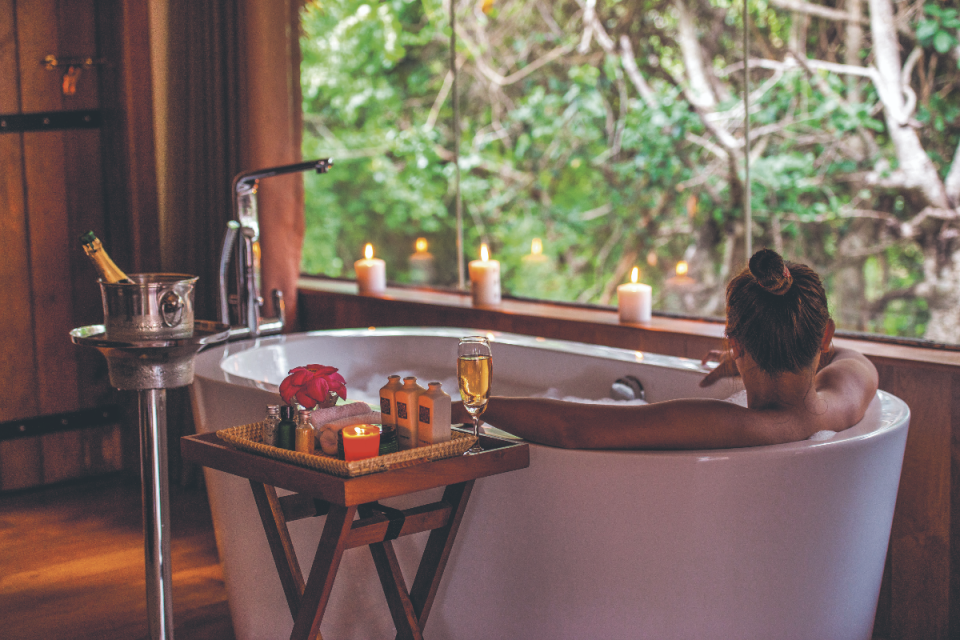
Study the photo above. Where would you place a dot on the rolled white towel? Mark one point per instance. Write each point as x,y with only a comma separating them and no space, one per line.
320,417
327,432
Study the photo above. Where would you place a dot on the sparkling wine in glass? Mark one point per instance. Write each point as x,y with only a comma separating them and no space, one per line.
474,374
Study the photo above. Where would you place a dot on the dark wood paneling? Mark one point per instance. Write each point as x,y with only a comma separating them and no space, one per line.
64,29
51,190
62,456
9,90
80,453
920,540
38,35
50,244
17,364
955,506
21,463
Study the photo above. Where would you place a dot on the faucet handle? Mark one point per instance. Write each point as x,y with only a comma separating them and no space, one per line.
275,325
281,307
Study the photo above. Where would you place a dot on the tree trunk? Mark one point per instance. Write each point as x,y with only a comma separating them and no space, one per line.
916,170
917,173
700,93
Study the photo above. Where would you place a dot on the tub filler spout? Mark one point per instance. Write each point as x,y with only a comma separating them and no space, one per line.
242,309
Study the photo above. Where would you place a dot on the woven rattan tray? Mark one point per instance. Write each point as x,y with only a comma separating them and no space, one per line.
249,438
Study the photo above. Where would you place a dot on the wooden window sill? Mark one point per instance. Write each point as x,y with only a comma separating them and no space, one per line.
664,334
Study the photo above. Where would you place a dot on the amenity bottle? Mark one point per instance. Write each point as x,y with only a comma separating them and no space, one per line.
306,434
407,397
107,270
270,425
287,429
433,416
388,400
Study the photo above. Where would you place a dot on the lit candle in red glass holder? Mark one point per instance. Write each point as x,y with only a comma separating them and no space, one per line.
360,441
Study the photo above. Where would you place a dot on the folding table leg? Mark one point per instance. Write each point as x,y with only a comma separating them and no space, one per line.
437,552
316,594
278,536
395,589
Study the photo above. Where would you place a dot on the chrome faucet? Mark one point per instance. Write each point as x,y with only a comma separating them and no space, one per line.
242,308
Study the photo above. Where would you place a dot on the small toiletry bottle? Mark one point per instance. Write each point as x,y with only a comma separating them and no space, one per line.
407,413
270,425
433,416
388,400
306,434
287,429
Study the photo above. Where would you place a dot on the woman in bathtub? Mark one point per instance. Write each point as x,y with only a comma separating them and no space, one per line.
779,334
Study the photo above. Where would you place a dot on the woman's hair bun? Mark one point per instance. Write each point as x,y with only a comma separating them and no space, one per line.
771,272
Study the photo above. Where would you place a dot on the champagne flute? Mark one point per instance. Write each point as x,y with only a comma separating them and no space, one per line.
474,374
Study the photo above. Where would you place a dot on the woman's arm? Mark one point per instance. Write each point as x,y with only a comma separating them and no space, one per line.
676,424
848,382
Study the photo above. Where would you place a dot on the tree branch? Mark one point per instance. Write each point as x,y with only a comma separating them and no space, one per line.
629,62
952,181
880,304
817,10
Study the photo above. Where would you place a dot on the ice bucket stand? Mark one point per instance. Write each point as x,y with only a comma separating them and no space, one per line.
151,367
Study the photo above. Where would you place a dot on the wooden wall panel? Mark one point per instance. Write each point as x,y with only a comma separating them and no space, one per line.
38,35
50,246
21,463
64,28
920,539
50,189
62,456
955,507
9,82
17,363
76,35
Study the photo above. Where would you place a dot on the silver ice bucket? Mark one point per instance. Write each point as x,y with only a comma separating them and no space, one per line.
155,306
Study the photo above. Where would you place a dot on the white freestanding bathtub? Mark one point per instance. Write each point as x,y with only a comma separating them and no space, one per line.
785,541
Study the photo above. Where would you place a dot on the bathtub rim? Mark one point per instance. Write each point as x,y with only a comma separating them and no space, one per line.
894,413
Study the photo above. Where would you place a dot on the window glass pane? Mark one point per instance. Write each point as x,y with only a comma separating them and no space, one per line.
612,132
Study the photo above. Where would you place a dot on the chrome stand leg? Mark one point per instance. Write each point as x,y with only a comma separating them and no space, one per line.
156,516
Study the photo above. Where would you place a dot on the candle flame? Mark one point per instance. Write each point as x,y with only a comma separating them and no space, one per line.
359,430
536,247
682,268
635,275
484,252
368,251
421,245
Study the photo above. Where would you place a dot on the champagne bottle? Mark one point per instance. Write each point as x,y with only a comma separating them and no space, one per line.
109,272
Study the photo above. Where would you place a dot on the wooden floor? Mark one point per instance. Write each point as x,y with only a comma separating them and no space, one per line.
71,564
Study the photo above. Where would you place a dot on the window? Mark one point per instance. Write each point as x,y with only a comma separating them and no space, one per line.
611,134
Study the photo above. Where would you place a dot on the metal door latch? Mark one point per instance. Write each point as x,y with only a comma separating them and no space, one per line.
73,66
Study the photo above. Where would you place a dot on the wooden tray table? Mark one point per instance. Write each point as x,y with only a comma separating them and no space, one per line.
341,499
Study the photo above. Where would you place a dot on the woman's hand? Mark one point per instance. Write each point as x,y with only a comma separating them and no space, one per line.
726,369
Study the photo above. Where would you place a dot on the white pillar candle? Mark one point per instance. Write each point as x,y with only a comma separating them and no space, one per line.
634,299
371,273
485,280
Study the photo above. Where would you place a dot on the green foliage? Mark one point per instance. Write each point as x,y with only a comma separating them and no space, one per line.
940,29
571,154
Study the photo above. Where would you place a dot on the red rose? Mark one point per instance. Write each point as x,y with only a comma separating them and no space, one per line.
312,385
